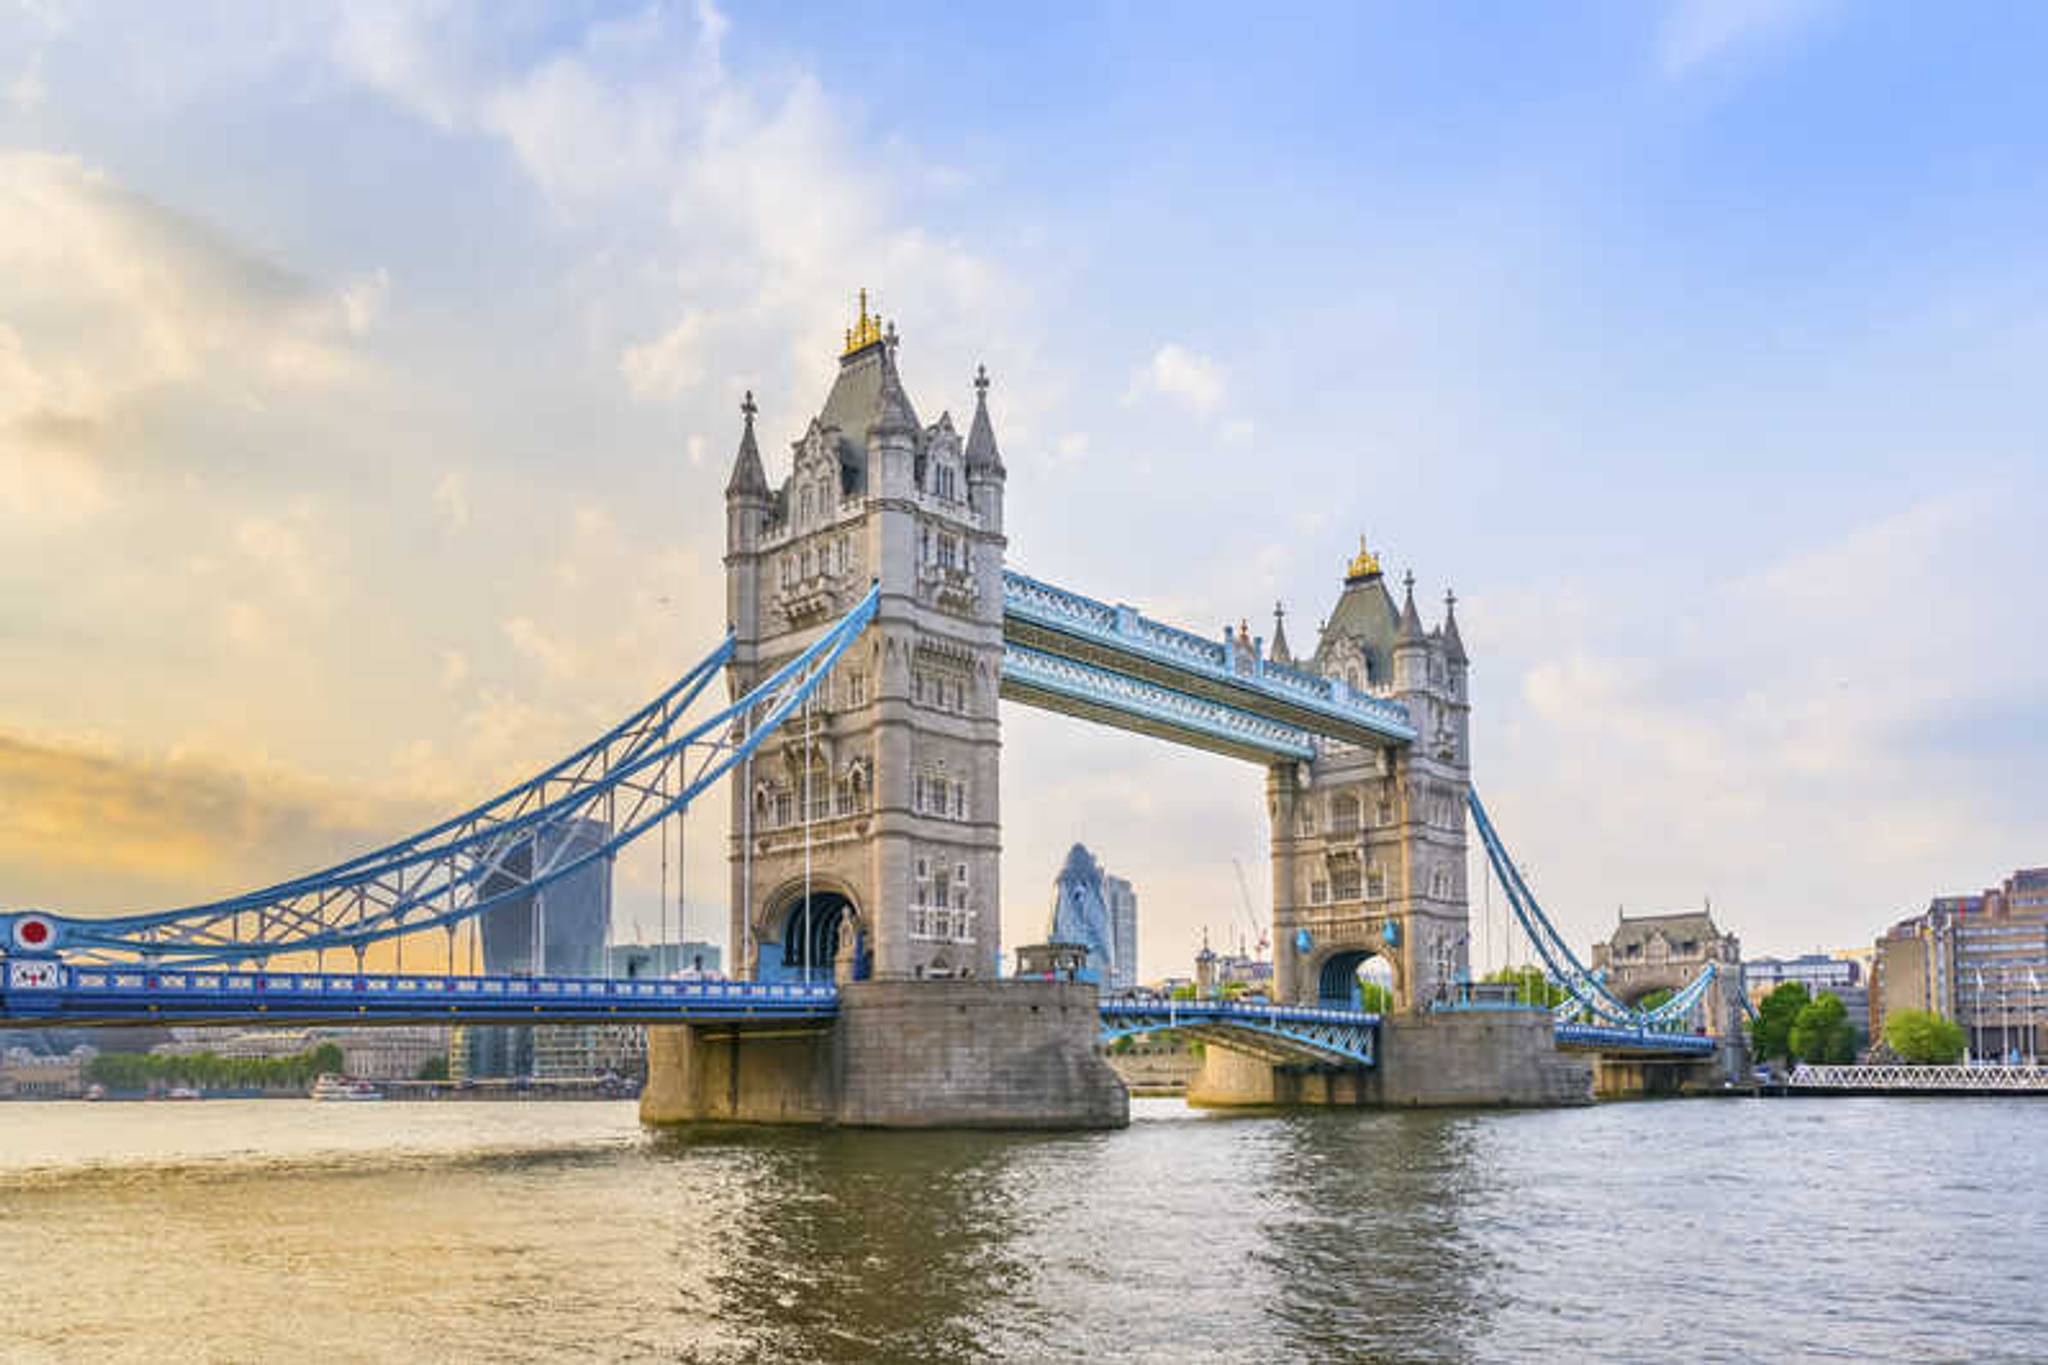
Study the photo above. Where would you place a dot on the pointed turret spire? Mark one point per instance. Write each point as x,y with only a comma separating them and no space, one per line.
896,417
748,479
1410,628
1454,647
1281,653
982,455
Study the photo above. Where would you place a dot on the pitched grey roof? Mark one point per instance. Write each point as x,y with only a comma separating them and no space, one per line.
1676,928
1362,623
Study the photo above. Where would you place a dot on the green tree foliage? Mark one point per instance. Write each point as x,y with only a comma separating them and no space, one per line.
1661,996
1823,1032
1923,1038
1183,993
1532,985
433,1069
1374,998
1770,1033
211,1071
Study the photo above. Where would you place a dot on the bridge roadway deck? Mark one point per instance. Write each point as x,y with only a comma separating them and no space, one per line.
116,995
40,993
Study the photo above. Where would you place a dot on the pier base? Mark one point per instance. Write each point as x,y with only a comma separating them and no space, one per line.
1425,1061
901,1054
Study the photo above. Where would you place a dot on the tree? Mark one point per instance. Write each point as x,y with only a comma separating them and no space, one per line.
1373,998
1823,1032
1661,996
1923,1038
1531,984
436,1068
1770,1034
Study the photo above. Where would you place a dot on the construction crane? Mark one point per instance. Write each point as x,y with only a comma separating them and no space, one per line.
1244,891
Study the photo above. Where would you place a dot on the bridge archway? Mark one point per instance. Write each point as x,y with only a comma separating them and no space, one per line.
828,942
1341,971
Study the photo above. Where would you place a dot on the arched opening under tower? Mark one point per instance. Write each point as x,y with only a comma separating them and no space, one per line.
814,933
1357,979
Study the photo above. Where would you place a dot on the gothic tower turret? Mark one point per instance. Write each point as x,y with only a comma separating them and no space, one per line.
865,840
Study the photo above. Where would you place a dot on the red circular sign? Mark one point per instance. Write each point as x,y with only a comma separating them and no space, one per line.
33,933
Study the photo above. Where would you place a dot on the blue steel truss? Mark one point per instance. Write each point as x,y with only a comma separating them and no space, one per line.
1606,1038
1032,675
1125,639
1586,990
40,992
630,780
1282,1033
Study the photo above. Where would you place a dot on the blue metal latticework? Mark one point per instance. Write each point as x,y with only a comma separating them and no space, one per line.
130,995
1119,641
1281,1033
627,782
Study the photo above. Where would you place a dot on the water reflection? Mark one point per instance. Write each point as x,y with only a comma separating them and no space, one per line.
1364,1243
850,1245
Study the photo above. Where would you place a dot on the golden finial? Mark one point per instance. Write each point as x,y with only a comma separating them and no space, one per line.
1365,565
866,331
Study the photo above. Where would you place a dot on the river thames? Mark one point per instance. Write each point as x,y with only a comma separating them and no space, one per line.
1735,1229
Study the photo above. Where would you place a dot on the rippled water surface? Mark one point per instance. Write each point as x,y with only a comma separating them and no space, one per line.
1736,1229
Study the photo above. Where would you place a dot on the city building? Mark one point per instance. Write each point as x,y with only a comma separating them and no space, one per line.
567,925
1123,924
1081,914
1843,975
1215,972
29,1075
1979,960
582,1051
1649,953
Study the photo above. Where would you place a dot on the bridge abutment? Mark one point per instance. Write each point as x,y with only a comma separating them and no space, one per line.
901,1054
1426,1061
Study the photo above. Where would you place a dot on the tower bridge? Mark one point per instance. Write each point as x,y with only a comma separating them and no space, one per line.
874,628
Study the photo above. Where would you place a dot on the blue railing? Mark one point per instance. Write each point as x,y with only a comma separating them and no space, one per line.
41,991
1610,1039
1339,1037
1125,629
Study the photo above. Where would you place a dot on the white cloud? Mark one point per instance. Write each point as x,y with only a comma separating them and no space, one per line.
451,501
26,92
665,367
1189,377
557,658
1697,32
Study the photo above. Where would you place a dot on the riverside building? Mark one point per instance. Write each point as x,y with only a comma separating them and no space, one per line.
1980,960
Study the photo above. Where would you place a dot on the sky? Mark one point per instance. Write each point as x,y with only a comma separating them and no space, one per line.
369,375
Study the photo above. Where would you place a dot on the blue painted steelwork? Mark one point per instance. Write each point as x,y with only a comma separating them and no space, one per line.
634,777
1196,718
36,993
1287,1033
1323,706
1585,987
1606,1038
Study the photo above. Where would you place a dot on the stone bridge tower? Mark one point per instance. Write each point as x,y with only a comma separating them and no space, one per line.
1369,843
887,790
1665,953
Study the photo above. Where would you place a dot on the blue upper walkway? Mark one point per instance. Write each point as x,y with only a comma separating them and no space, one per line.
1071,653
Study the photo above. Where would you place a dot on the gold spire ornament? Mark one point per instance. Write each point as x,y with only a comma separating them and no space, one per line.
1365,565
866,331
